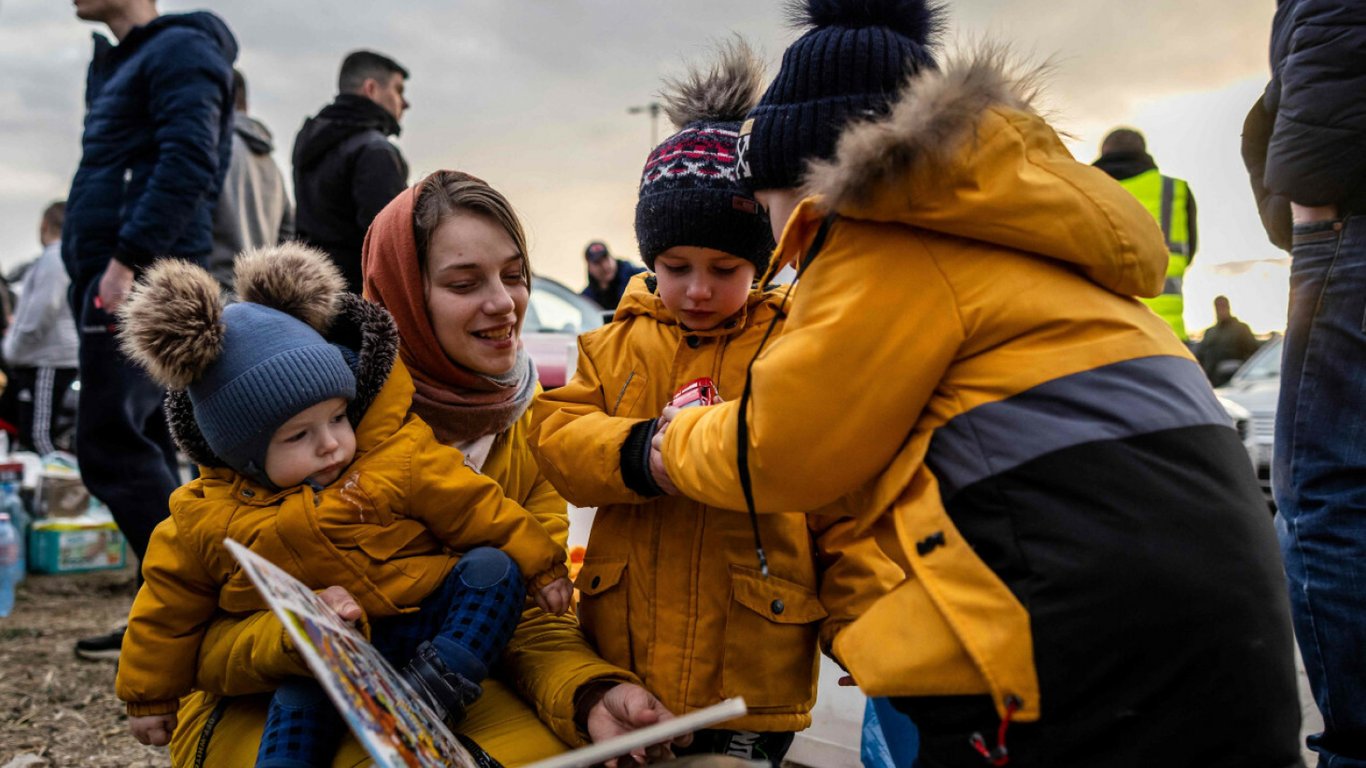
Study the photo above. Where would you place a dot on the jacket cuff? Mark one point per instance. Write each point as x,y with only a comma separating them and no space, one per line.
556,571
135,259
635,460
149,708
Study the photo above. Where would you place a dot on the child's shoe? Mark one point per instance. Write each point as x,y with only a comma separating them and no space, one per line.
447,692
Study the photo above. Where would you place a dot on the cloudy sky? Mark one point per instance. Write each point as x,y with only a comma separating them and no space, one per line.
533,95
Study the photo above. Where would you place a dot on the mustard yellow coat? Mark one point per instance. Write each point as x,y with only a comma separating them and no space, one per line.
388,530
670,587
966,365
525,714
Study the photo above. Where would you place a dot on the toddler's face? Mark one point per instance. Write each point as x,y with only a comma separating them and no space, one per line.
702,286
317,443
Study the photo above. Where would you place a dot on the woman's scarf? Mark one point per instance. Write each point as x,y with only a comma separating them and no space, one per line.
459,404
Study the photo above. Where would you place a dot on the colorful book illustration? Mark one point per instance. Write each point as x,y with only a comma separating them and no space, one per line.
389,719
393,724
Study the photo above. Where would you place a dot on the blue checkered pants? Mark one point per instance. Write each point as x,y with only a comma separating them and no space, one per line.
468,619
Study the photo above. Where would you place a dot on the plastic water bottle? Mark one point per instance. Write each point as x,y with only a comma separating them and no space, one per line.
12,504
9,564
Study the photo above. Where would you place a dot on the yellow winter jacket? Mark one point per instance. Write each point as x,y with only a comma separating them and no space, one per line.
967,365
526,712
388,530
670,588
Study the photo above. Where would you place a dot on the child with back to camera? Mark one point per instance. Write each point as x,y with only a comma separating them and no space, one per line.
309,458
669,585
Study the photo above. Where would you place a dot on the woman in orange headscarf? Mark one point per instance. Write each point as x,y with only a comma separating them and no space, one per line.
448,259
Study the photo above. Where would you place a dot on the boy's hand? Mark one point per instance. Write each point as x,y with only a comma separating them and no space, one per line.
554,597
661,423
154,730
658,471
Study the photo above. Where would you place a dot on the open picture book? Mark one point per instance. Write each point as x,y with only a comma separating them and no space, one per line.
391,721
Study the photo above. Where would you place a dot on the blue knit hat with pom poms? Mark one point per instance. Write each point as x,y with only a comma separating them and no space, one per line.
850,64
250,366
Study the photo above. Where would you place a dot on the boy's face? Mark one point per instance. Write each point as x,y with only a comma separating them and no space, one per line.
316,444
702,286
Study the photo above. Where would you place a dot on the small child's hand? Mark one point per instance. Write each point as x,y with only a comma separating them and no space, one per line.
661,423
154,730
658,470
554,597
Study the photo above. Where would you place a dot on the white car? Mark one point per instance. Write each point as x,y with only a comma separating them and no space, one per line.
1256,387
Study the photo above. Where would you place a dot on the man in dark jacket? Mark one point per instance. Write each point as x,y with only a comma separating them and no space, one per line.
157,141
1304,144
1229,340
607,276
345,168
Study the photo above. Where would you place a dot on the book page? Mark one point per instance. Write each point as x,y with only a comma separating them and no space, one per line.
391,721
654,734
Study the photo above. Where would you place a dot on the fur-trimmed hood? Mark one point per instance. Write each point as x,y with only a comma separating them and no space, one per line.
963,152
360,326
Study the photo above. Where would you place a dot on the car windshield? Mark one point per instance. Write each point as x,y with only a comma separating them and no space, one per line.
1264,365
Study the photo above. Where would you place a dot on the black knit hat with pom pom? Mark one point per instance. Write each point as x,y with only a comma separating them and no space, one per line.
689,193
850,64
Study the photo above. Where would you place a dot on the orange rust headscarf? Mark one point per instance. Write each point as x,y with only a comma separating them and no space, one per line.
458,403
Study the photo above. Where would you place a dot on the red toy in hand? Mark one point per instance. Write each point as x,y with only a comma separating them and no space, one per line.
696,392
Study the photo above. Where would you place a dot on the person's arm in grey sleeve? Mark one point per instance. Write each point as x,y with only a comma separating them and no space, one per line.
286,220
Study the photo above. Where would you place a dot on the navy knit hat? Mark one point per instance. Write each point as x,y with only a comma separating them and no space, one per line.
250,367
689,192
850,64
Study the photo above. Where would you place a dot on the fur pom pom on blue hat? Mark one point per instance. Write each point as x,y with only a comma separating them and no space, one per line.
249,366
849,65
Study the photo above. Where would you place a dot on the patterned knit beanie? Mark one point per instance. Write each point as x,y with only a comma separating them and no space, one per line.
850,64
689,193
248,367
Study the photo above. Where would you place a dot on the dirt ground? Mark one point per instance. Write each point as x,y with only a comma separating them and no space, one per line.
57,710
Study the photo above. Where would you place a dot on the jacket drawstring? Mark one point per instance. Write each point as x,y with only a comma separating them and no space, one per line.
1000,755
742,426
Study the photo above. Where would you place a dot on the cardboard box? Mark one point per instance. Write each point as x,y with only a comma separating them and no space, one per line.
61,495
72,545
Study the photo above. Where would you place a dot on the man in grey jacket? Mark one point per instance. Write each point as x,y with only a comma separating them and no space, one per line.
41,344
254,209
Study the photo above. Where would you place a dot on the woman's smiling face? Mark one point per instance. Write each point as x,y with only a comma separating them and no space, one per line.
477,292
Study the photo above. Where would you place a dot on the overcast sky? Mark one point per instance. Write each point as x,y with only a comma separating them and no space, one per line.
532,95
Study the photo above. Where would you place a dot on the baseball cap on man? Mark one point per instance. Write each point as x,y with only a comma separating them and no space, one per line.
596,251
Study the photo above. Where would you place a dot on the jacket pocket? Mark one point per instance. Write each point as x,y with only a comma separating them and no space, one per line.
771,631
603,609
625,398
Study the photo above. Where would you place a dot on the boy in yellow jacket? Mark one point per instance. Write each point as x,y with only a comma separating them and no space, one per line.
1092,579
670,586
380,508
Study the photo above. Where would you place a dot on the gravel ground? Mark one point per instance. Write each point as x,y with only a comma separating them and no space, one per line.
56,710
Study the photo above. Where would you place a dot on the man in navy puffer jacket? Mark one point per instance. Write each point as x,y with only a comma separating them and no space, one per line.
1305,147
157,143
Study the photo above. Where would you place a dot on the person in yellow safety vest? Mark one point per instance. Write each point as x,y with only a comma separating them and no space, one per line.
1124,155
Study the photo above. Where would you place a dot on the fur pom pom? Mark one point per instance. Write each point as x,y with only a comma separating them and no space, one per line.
920,20
722,92
172,322
294,279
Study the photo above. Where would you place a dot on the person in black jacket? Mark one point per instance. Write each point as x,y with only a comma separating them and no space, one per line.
345,168
157,143
1304,144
